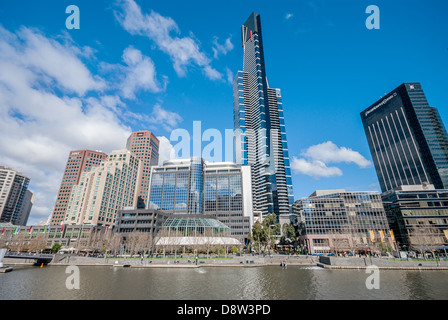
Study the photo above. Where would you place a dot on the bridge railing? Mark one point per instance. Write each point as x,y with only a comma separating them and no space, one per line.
28,255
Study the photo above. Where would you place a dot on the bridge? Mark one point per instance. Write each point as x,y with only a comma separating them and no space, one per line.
40,258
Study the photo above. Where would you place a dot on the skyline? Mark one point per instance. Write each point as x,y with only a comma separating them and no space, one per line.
55,82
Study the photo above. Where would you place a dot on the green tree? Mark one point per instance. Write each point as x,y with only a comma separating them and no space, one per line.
257,237
271,228
288,234
56,247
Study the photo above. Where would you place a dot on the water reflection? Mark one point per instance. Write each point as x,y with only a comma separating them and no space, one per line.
221,283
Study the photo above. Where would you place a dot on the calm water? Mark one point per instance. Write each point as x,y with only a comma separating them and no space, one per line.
259,283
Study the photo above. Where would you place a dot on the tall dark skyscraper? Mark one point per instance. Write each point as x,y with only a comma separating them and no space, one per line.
407,139
260,127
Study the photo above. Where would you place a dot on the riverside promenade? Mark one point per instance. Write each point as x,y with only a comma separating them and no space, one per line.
247,261
180,261
382,263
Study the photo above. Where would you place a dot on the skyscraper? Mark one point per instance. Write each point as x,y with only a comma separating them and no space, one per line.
260,127
104,190
78,161
13,196
407,139
221,190
145,145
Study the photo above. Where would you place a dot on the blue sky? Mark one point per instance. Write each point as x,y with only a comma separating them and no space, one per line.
161,65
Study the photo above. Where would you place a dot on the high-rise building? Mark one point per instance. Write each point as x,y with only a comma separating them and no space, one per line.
407,139
259,125
28,201
418,216
335,221
104,190
145,145
221,190
79,161
13,200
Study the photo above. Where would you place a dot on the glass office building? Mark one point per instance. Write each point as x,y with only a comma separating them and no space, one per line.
260,127
333,221
407,139
13,196
418,215
195,187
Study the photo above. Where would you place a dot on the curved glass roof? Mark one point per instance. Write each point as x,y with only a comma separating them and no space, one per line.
200,224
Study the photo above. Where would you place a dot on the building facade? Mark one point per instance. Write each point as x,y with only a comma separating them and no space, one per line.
407,139
78,161
140,220
13,196
259,125
194,186
28,201
104,190
335,221
418,216
145,145
43,237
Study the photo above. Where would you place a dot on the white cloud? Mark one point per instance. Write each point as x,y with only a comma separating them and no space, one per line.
140,73
221,48
313,168
183,51
315,160
45,111
288,16
169,120
229,75
49,60
166,150
330,152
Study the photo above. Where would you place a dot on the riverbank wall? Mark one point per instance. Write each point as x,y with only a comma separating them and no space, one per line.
176,262
242,261
381,263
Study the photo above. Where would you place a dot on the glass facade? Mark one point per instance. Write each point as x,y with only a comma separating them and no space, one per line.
195,226
260,127
418,214
193,186
407,139
357,219
13,188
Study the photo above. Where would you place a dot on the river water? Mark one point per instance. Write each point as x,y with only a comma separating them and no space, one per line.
219,283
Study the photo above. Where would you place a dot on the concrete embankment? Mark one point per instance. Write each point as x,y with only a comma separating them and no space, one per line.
248,261
381,263
186,261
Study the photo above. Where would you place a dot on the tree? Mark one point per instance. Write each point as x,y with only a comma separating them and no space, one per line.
56,247
288,234
38,243
266,233
271,228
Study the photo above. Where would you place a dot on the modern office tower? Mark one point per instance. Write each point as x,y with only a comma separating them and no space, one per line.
145,145
418,216
79,161
407,139
260,127
104,190
13,190
336,221
132,220
28,201
196,187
